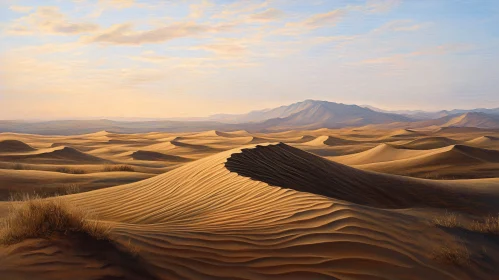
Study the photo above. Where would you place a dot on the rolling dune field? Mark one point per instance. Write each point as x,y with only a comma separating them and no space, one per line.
302,204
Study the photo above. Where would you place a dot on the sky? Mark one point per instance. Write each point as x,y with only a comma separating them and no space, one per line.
178,58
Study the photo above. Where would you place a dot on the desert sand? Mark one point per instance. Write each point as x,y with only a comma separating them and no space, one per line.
301,204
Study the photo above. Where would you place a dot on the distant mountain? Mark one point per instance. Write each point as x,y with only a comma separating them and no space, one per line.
312,114
266,114
473,119
308,114
425,115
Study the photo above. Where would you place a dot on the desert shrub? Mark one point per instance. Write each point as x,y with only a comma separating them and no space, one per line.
41,218
455,253
70,170
125,168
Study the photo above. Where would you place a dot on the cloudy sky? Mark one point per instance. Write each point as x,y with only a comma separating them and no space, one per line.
178,58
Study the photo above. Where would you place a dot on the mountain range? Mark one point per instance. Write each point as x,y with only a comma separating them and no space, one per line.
308,114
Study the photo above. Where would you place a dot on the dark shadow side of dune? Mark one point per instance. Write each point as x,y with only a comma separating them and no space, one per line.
288,167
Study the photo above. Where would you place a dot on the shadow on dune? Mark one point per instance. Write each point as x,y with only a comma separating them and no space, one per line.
288,167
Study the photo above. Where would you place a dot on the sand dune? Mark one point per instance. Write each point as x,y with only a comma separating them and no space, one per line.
328,141
14,146
46,182
484,141
455,161
268,211
155,156
57,156
403,133
429,143
380,153
252,214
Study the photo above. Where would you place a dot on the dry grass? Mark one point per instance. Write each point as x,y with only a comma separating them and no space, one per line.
455,253
70,170
111,168
41,218
449,220
488,225
45,192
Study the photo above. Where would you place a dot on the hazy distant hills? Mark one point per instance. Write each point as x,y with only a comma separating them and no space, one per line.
312,114
424,115
308,114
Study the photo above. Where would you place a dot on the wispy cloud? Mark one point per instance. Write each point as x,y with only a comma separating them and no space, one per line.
21,9
48,20
319,20
402,25
267,15
124,34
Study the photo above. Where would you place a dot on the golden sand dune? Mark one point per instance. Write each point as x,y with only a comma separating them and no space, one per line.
14,146
328,141
404,133
484,141
380,153
455,161
66,155
155,156
428,143
46,182
266,212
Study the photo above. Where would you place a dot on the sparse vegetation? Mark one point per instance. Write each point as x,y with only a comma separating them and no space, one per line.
455,253
41,218
448,220
45,192
70,170
125,168
488,225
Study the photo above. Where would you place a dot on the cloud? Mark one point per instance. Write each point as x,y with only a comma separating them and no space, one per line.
48,20
21,9
119,4
224,49
401,25
381,6
197,10
123,34
319,20
267,15
239,8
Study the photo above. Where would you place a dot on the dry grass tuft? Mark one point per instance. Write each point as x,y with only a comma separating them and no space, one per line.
488,225
126,168
70,170
456,253
449,220
41,218
45,192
